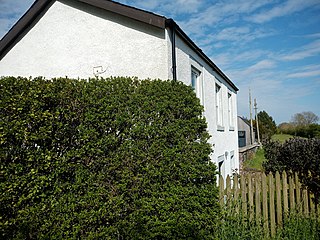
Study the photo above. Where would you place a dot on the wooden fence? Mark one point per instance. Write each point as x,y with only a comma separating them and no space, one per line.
266,198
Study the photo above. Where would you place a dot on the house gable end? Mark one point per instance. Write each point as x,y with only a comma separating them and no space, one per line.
38,9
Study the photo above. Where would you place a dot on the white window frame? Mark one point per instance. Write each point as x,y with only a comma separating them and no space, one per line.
197,83
230,112
219,107
221,166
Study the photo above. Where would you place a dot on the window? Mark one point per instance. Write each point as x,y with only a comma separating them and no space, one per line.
196,83
230,112
232,162
221,166
219,111
242,138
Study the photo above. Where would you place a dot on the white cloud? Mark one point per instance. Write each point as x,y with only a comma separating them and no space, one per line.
261,65
305,74
167,7
226,12
286,8
309,50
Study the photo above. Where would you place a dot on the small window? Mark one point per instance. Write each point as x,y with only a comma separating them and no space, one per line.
196,83
232,162
221,166
219,110
230,112
242,138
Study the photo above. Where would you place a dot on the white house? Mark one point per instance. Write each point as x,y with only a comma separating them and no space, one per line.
86,38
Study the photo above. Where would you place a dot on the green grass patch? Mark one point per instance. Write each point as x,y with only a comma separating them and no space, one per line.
256,161
281,137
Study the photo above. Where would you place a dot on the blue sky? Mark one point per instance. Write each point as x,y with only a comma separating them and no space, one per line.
270,46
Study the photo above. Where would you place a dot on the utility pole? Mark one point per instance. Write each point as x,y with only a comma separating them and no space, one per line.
257,121
251,124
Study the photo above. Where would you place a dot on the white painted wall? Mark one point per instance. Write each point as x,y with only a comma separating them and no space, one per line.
74,40
225,142
70,40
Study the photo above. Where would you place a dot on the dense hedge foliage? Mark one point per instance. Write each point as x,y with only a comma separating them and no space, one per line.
296,155
104,158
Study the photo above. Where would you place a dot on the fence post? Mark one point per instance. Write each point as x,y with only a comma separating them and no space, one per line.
221,190
271,204
236,191
278,196
228,190
291,191
243,194
258,197
285,193
250,196
298,193
265,203
305,202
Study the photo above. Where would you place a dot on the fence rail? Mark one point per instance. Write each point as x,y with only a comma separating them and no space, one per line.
266,198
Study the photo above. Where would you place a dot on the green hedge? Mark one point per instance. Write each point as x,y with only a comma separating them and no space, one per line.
298,155
110,158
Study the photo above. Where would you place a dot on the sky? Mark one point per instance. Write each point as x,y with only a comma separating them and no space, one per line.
269,46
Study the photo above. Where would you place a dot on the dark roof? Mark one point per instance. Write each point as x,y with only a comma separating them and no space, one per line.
39,7
247,121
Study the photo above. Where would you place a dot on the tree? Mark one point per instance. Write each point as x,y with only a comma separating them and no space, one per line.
111,158
304,119
267,125
285,127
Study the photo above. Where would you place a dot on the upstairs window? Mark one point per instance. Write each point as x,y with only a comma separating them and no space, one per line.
230,112
219,110
196,83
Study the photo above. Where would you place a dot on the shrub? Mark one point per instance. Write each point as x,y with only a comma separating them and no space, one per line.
296,155
110,158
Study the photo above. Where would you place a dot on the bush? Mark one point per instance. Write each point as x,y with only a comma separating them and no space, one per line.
296,155
110,158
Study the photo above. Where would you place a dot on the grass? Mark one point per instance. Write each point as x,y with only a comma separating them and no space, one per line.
256,161
281,137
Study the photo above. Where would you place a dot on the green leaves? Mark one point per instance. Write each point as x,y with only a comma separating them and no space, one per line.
297,155
104,158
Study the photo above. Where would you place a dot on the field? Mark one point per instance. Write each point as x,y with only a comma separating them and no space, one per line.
281,137
258,158
256,161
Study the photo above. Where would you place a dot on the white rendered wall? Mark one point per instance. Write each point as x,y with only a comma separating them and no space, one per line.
75,40
225,142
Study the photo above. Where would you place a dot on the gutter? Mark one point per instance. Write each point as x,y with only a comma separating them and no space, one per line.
177,30
172,26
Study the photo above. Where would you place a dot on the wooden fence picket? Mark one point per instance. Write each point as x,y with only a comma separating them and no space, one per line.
243,195
258,197
264,202
279,200
266,198
271,204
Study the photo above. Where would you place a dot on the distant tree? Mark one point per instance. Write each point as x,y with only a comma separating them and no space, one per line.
285,127
304,119
267,125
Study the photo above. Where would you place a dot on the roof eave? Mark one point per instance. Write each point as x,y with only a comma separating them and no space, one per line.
190,43
10,39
